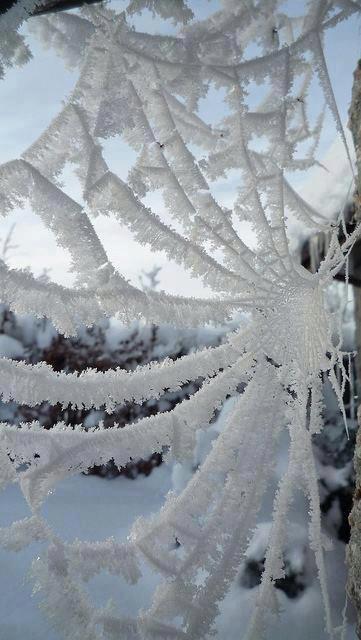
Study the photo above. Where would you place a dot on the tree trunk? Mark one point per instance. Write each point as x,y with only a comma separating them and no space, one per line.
354,547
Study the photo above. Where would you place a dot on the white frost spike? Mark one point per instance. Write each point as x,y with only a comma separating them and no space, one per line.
22,532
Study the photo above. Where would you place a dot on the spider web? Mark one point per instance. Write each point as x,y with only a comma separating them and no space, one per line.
147,88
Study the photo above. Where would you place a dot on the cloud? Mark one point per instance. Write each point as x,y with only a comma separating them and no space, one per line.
327,189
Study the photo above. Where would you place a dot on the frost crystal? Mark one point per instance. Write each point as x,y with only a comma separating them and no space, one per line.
281,350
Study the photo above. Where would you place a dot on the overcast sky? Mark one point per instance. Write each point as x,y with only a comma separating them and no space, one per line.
32,95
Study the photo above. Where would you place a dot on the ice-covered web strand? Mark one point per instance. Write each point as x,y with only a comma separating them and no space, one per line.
300,472
68,307
65,451
192,171
101,554
239,508
33,384
13,18
25,486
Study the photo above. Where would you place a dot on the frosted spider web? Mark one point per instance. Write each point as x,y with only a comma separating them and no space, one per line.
147,89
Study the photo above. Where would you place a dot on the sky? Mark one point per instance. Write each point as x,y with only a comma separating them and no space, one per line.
32,95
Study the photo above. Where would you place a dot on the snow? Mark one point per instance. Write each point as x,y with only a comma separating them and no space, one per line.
91,508
87,508
93,418
10,347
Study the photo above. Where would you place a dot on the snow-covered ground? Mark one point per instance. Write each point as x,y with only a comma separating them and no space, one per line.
87,508
92,508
